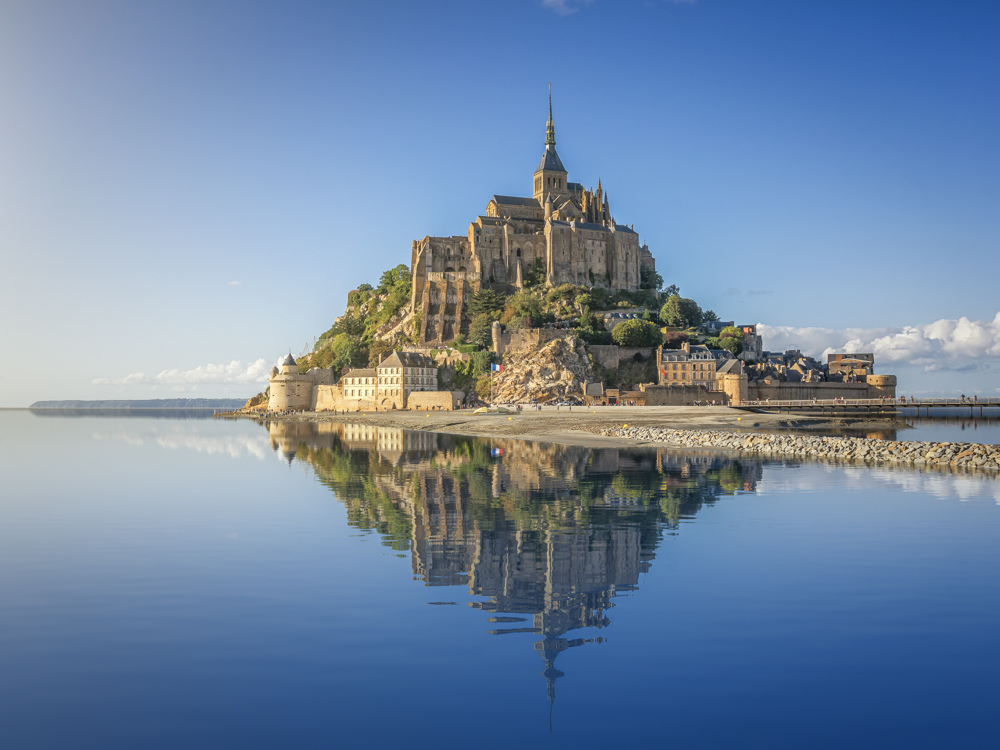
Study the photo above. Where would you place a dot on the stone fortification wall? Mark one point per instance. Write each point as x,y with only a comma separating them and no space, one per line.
682,395
804,391
331,398
291,393
734,386
293,390
527,339
435,400
611,356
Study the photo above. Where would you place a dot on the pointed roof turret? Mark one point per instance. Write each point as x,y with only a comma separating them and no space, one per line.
289,360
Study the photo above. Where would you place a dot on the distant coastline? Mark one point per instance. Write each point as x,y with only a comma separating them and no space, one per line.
151,403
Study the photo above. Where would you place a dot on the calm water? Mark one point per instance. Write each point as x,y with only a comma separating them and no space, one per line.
196,583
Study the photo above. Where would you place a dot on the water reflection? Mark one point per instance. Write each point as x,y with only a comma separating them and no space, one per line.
544,531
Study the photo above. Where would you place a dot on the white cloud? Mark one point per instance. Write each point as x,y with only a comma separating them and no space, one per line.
565,7
234,372
232,283
960,344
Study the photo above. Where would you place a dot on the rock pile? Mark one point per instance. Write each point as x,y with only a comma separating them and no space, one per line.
555,372
975,456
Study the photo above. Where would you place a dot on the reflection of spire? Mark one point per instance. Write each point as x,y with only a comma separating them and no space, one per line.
551,674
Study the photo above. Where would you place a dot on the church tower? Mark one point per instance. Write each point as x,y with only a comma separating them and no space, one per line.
550,177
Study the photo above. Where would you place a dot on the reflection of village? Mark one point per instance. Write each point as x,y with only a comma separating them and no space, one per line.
547,531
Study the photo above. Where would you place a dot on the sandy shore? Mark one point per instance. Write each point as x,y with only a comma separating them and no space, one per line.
582,425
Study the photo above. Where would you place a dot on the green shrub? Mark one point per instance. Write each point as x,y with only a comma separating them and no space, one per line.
636,333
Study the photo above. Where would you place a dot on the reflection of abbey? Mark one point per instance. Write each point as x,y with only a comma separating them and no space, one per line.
515,530
563,232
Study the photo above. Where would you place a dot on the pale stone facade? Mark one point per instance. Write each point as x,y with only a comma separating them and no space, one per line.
689,365
386,387
564,231
289,389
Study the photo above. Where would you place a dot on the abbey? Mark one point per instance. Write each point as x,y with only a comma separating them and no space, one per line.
563,233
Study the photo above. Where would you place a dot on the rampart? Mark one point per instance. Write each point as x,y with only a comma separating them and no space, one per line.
683,395
610,356
434,400
878,386
526,339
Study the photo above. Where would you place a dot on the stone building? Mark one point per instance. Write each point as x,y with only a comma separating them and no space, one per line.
689,365
391,385
402,373
290,389
563,233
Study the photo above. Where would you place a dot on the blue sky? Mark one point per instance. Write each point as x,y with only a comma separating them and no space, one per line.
189,188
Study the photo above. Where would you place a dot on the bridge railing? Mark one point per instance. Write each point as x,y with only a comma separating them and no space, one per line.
897,402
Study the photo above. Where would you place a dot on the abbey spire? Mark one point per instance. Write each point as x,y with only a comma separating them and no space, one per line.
550,128
550,177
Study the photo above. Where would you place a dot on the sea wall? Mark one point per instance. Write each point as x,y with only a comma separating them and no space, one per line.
957,456
682,395
807,391
434,400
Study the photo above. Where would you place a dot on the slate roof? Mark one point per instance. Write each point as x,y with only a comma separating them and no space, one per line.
730,367
407,359
510,200
288,360
550,161
625,229
575,187
365,373
590,226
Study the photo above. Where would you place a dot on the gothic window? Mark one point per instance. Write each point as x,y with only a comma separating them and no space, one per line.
518,252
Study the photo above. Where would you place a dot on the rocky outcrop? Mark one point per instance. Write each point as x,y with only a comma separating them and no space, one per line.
554,372
974,456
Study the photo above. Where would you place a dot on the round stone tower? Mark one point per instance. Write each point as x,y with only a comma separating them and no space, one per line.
288,389
882,385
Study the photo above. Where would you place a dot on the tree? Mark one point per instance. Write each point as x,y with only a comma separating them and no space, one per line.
536,275
650,279
646,315
377,351
680,312
730,339
733,345
342,351
709,316
400,275
481,330
524,305
486,301
672,291
636,333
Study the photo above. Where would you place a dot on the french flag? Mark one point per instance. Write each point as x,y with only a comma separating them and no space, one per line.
496,368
